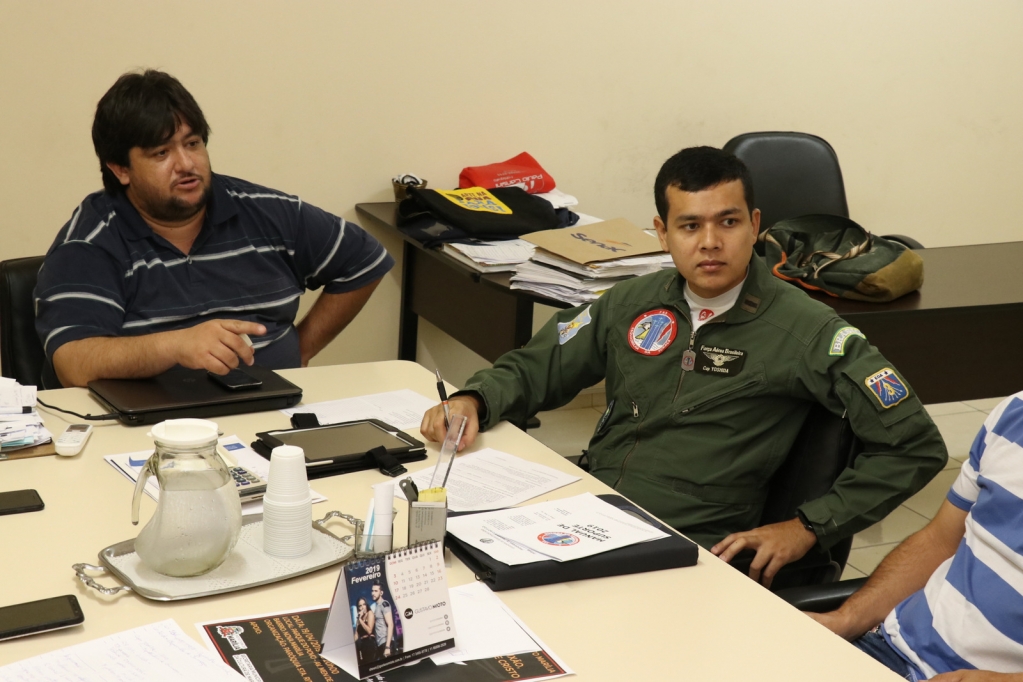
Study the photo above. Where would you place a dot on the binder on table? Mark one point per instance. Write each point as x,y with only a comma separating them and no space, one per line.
673,551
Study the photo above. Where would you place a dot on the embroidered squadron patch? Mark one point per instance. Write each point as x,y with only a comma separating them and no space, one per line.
887,387
652,332
841,336
722,362
566,330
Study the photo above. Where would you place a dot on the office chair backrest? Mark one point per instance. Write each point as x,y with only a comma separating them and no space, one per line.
793,174
21,353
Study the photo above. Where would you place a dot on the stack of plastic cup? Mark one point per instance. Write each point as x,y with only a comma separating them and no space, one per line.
287,505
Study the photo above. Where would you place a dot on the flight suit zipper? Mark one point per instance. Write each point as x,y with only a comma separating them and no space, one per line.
735,389
690,355
621,472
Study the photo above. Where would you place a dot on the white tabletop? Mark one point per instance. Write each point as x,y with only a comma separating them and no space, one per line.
705,622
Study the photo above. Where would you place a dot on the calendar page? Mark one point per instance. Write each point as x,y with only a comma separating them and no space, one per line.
389,611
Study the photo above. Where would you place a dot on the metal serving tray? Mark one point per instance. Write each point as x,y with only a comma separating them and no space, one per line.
247,566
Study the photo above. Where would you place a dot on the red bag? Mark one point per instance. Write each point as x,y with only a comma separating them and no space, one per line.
520,171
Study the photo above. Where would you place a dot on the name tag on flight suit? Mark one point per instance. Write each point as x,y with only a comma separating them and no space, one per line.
722,362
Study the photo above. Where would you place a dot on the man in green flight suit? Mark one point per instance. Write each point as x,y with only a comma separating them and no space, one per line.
710,371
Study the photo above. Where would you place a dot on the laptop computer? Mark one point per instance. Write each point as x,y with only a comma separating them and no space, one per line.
180,392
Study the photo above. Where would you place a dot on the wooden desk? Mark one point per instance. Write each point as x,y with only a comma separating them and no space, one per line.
706,622
942,338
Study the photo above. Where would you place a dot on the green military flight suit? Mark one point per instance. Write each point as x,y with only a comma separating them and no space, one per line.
697,446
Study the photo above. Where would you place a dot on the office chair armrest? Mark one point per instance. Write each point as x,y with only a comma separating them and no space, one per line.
908,242
821,598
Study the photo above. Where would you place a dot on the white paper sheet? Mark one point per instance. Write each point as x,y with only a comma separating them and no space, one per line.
485,628
482,532
160,652
129,464
402,409
574,527
491,479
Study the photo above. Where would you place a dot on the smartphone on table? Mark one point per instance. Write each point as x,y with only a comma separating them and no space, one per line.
20,501
44,615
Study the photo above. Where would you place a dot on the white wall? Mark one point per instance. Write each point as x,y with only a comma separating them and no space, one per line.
329,99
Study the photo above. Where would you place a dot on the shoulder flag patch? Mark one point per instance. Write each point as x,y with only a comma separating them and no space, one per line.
887,387
566,330
841,336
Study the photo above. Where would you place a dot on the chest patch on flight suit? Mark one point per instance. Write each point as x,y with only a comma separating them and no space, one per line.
722,362
841,336
887,387
652,332
566,330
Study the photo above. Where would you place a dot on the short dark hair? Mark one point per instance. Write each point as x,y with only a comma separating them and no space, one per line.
141,110
698,168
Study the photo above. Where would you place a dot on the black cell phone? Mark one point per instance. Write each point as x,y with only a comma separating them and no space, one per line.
20,501
40,616
236,380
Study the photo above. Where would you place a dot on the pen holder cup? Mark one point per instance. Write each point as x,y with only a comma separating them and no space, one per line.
401,190
427,521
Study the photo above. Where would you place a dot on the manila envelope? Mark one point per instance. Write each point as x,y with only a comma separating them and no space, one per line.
607,240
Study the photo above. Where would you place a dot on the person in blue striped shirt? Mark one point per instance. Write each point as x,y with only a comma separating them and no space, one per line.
951,595
172,264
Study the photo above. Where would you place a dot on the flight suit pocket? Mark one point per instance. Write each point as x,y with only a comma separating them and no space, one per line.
750,383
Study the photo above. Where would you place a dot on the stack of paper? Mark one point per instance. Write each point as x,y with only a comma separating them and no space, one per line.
20,424
491,256
578,264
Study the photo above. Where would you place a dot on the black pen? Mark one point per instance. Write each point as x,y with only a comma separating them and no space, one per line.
443,398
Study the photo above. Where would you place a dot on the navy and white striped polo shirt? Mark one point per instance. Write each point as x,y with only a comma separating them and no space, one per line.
108,274
969,613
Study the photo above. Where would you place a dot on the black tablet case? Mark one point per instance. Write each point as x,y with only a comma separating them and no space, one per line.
673,551
368,461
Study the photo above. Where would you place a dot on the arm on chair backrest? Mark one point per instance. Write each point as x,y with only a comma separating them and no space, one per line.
21,353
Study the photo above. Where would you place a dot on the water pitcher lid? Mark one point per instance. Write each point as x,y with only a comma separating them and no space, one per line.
185,432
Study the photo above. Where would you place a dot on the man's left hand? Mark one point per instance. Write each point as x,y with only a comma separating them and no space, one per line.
776,544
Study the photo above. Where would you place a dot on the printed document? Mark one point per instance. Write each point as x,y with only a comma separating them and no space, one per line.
491,479
572,528
160,652
402,409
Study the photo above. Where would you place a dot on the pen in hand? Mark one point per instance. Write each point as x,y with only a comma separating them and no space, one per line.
443,398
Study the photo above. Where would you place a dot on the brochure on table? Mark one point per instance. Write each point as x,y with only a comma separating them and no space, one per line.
402,409
389,611
561,530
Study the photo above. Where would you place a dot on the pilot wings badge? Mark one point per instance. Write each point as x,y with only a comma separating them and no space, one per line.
720,361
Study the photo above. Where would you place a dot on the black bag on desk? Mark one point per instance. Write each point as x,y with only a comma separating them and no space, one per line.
500,213
673,551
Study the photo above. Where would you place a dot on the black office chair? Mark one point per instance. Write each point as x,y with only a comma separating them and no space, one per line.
821,598
21,353
795,174
823,449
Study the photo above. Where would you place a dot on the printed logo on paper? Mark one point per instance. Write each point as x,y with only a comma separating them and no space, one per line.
558,539
705,314
566,330
887,387
841,336
233,635
652,333
475,199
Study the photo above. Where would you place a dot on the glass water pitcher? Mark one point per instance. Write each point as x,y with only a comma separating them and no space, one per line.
198,514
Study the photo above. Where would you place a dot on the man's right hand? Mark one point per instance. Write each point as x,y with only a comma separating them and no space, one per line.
216,345
434,428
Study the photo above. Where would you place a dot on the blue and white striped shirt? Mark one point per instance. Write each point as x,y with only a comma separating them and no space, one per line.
970,613
108,274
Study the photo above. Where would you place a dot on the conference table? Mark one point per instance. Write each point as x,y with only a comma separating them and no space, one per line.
942,338
705,622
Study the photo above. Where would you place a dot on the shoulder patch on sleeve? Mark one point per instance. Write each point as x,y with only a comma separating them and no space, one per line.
887,387
566,330
841,336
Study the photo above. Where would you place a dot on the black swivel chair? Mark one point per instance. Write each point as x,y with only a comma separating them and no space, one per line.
21,353
795,174
823,449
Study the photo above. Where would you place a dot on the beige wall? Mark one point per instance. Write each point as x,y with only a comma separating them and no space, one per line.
921,100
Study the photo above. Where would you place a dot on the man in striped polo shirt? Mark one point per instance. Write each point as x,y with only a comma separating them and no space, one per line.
172,264
957,585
